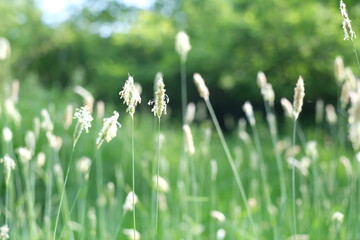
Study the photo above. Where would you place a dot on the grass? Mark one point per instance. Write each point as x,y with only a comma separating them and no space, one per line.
34,213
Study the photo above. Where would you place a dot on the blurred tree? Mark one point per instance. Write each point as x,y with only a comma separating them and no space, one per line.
231,41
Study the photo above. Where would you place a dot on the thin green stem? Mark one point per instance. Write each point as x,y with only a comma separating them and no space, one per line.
356,55
231,161
183,89
293,180
63,192
6,203
99,185
157,181
133,172
264,179
274,140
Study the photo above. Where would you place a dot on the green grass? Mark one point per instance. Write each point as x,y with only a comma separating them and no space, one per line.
319,194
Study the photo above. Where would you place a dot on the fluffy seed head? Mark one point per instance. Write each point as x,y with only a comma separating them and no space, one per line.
338,217
200,84
299,94
330,114
190,113
109,130
83,165
261,80
40,159
182,45
55,142
130,201
248,109
25,155
131,234
220,234
130,95
12,112
4,232
161,99
84,122
46,122
217,215
7,134
9,165
189,142
162,184
288,107
268,94
346,24
5,50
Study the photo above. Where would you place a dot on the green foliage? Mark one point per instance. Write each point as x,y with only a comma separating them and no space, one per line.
231,41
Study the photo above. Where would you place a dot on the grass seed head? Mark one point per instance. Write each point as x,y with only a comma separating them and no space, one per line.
4,232
299,94
161,99
217,215
346,24
5,50
7,135
201,86
338,217
331,116
161,183
130,202
131,96
46,122
261,80
109,130
84,121
131,234
182,45
190,113
189,141
249,112
9,165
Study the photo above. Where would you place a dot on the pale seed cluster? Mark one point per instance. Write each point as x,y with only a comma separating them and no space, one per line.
109,129
346,24
249,112
266,88
201,86
84,121
299,94
182,45
161,99
131,95
9,165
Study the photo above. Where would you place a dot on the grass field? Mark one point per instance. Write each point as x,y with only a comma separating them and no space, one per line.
198,184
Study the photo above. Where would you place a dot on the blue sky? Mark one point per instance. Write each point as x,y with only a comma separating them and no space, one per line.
56,11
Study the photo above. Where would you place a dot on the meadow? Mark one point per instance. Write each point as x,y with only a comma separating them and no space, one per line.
275,174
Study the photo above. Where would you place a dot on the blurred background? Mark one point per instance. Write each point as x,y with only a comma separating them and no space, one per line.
96,44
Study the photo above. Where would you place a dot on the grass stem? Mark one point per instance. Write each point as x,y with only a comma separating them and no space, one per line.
63,192
231,161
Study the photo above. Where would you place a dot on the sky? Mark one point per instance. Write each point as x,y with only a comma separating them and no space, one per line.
56,11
